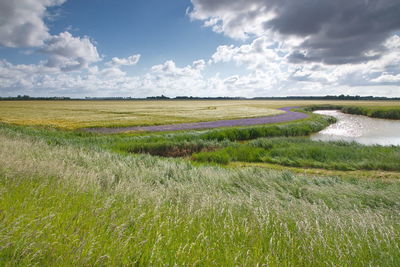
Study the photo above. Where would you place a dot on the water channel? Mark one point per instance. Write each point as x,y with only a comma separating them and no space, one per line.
361,129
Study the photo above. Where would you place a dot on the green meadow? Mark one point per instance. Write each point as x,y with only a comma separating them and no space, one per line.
219,197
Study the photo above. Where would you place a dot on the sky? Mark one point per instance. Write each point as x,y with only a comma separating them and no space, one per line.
205,48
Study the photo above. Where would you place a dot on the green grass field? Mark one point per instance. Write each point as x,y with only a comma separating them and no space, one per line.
76,198
64,205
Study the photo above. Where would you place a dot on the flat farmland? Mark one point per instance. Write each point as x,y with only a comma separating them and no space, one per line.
82,114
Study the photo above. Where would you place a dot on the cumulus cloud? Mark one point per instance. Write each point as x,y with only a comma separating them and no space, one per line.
332,32
276,78
129,61
113,72
70,53
256,55
270,66
169,69
303,47
21,23
166,78
199,64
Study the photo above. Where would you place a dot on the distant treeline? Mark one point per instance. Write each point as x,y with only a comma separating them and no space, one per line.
330,97
163,97
27,97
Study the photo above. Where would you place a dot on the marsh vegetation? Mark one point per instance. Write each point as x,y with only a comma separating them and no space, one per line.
77,198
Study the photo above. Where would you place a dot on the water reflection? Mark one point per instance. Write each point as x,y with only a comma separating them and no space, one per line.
361,129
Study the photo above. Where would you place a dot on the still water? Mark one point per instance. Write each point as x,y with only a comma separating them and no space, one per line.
361,129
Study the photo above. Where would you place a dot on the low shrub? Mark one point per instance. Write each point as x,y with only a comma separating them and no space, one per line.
168,148
220,157
355,110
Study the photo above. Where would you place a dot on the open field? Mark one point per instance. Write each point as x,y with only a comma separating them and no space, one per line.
78,198
288,116
81,114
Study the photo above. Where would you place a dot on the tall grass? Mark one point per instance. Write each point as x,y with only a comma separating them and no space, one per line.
187,143
392,113
167,148
65,205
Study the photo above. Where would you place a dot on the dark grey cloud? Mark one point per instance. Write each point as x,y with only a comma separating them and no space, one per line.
335,31
343,32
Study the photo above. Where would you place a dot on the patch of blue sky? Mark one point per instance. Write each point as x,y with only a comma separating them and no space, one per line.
159,30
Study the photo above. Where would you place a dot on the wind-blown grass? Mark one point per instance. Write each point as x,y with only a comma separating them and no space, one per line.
300,152
78,206
66,198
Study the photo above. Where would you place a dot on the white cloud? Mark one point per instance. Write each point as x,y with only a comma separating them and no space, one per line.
238,19
199,64
271,60
259,54
169,69
165,78
387,78
112,72
70,53
21,23
172,80
129,61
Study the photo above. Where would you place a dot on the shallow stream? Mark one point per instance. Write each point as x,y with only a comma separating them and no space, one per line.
361,129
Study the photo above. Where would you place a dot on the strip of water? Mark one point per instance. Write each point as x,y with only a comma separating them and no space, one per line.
361,129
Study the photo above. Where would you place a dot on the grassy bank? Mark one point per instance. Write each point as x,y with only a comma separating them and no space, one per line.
185,144
392,113
175,144
301,152
79,206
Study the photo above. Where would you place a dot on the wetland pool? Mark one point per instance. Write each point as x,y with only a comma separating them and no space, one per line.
361,129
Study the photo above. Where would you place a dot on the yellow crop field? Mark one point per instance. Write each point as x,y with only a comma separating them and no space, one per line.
80,114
